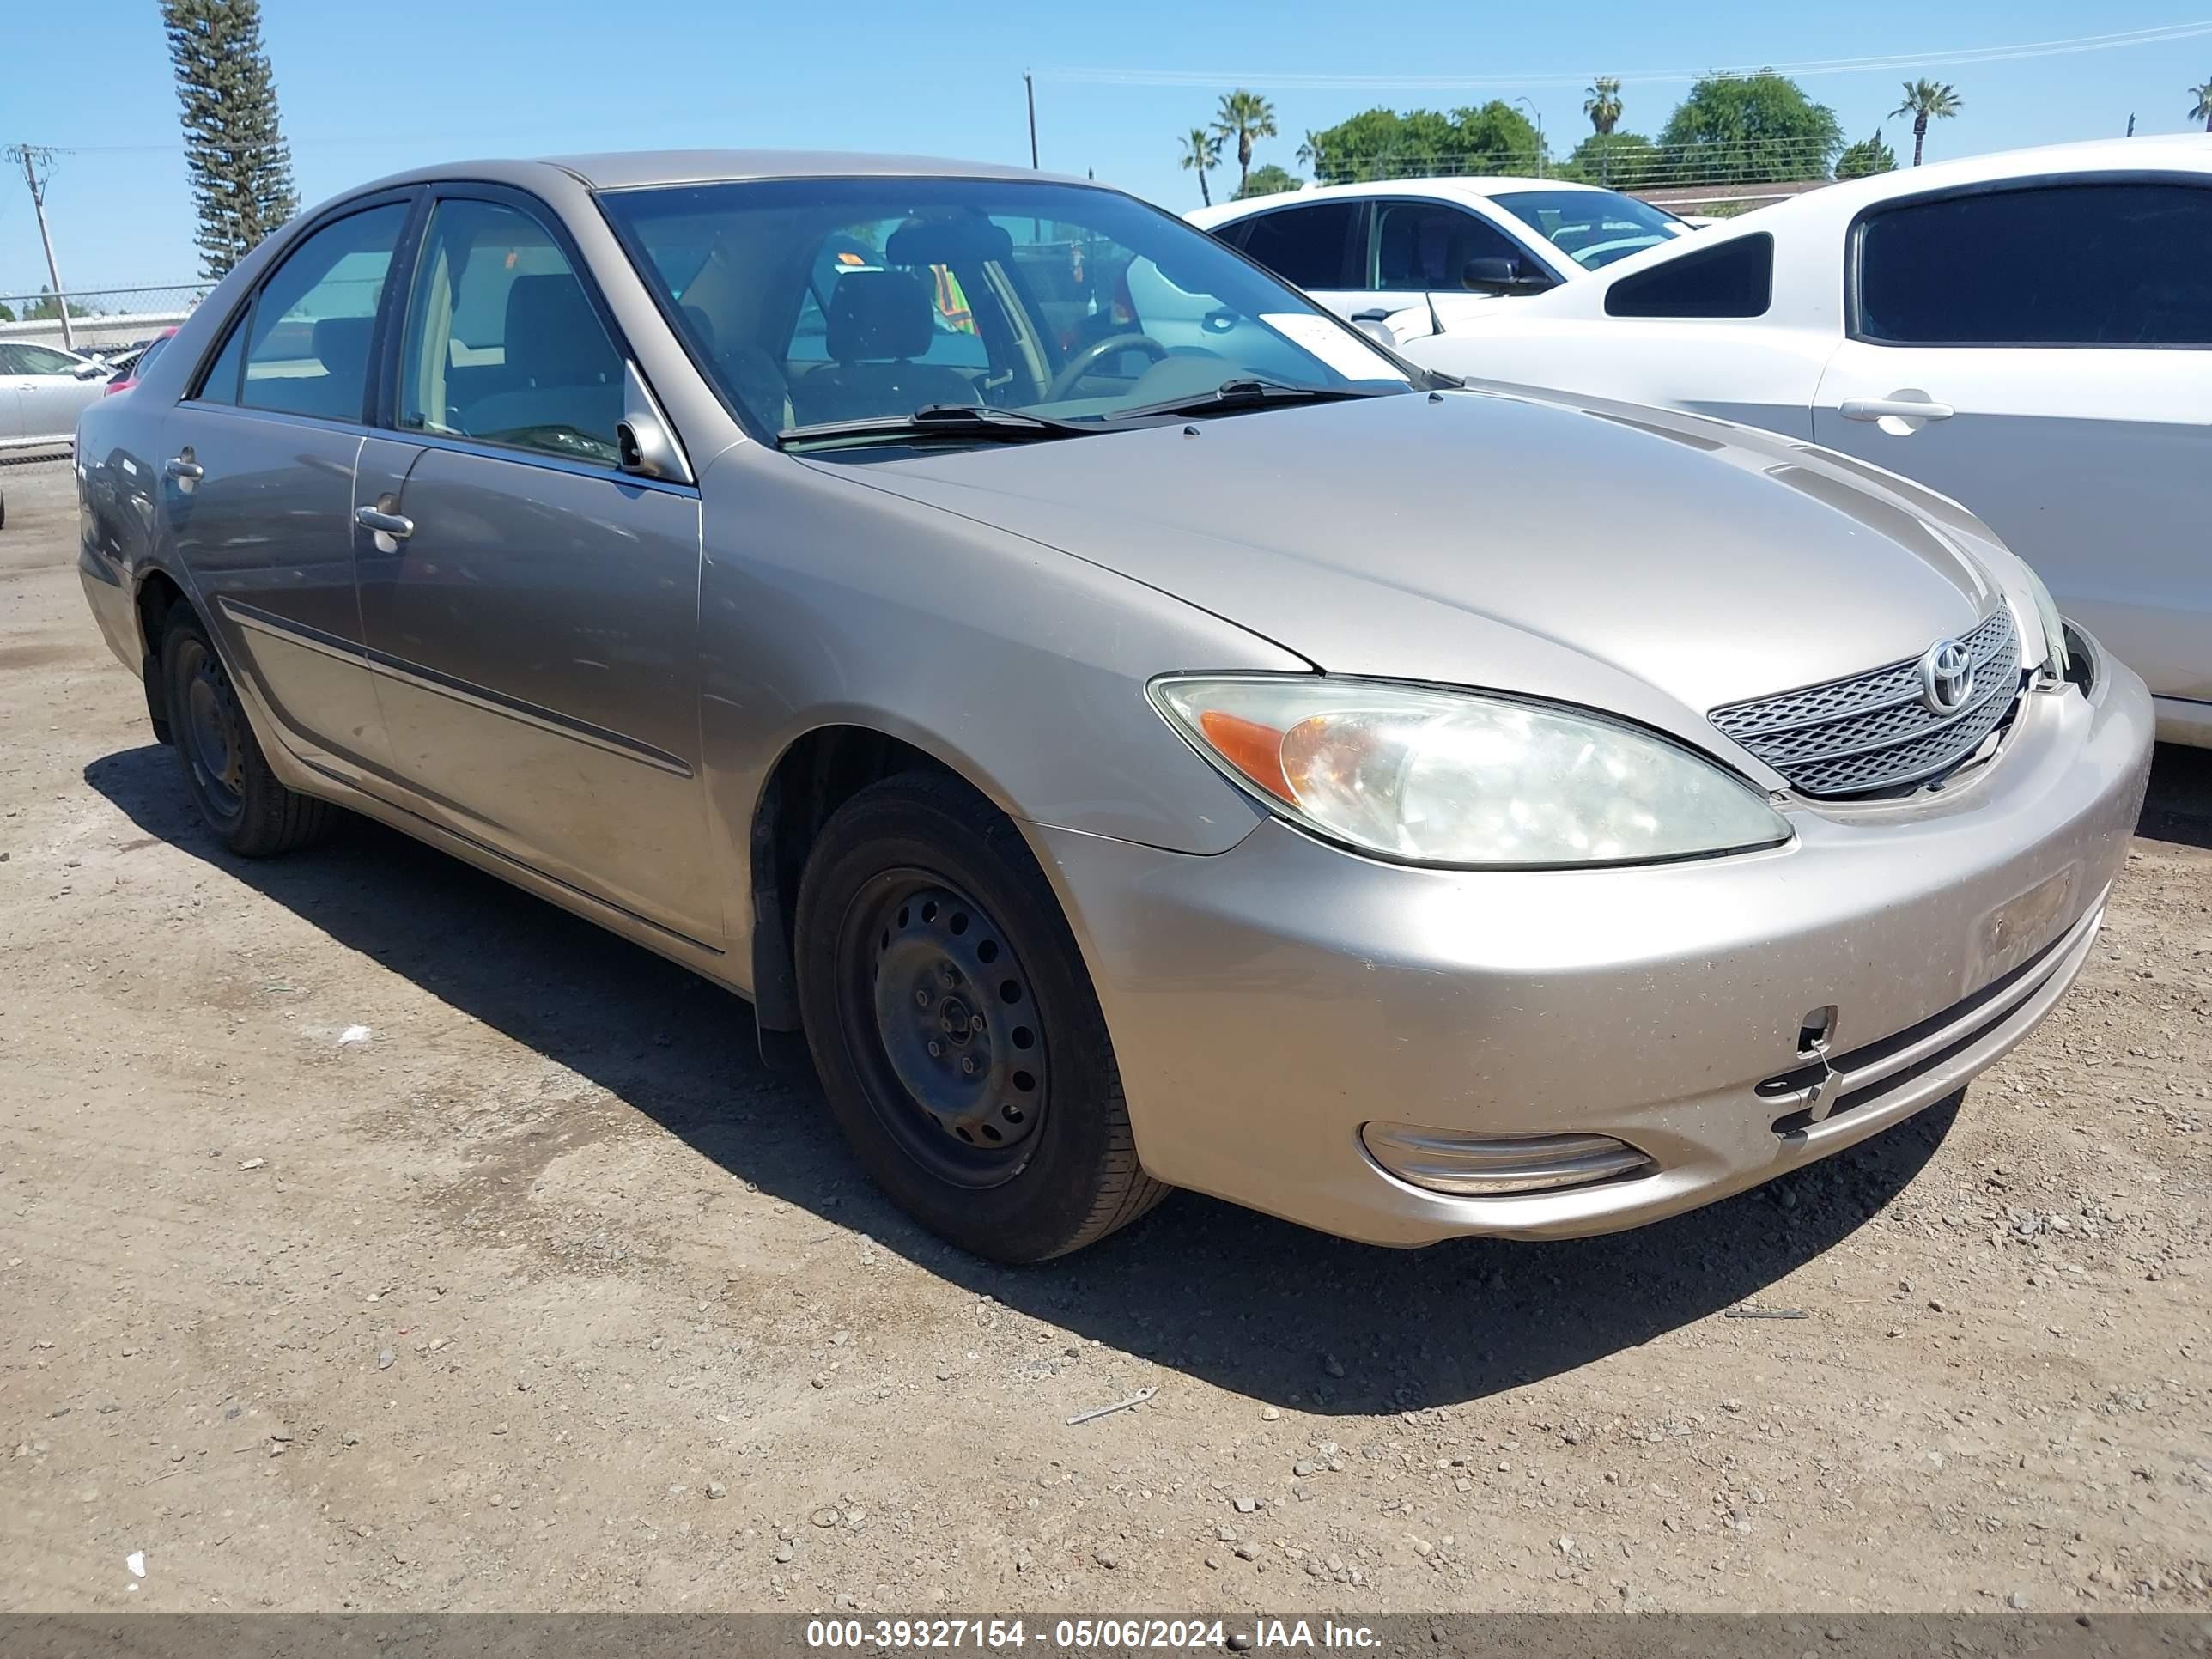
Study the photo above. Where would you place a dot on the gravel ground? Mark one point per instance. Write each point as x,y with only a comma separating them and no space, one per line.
538,1291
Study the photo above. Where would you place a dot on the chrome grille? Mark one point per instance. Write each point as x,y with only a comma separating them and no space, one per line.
1873,732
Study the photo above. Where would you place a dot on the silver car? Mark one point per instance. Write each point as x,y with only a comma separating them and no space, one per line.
42,391
1142,733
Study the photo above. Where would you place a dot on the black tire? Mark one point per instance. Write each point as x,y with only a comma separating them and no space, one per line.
238,798
1032,1157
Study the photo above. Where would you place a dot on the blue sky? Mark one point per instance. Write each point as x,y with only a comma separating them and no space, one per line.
368,88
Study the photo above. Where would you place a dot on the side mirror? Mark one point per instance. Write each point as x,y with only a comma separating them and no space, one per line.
645,443
88,371
1504,277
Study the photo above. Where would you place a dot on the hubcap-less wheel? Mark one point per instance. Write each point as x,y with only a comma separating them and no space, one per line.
214,727
950,1029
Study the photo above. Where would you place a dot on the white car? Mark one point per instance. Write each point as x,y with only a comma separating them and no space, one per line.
1366,251
42,388
2028,334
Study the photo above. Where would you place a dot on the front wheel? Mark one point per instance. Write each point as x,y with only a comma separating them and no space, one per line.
957,1037
238,795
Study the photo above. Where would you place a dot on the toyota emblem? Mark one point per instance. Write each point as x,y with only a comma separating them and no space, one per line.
1947,676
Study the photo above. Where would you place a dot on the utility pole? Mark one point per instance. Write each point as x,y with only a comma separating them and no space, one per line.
1029,86
2131,124
1539,114
32,155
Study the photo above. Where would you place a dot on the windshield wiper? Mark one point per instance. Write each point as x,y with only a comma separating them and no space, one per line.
969,421
1247,391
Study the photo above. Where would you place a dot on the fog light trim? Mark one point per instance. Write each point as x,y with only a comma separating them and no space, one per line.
1475,1166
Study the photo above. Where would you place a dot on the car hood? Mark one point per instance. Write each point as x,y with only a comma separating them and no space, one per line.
1654,563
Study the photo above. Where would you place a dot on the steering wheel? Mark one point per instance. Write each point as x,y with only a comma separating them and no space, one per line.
1088,358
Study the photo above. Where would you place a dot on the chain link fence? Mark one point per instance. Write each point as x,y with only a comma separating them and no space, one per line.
101,320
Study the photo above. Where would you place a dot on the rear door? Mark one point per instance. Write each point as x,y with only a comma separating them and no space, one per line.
2043,353
1321,248
530,609
257,485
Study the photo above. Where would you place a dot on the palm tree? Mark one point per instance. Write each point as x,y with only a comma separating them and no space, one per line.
1244,115
1603,104
2203,110
1310,154
1201,153
1924,98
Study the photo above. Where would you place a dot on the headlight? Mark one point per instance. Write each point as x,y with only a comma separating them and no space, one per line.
2054,629
1457,778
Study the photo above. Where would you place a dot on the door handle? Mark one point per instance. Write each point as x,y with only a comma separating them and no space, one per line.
1904,408
388,523
184,469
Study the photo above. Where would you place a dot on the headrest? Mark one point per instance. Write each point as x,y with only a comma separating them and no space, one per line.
552,333
342,344
875,314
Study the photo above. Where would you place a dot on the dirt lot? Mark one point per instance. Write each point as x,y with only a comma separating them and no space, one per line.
547,1295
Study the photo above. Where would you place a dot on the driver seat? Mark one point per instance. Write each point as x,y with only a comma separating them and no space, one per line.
879,322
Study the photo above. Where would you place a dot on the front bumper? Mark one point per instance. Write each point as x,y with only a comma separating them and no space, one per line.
1267,1002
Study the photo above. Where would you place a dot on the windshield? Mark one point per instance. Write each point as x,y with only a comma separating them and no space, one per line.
1593,228
821,301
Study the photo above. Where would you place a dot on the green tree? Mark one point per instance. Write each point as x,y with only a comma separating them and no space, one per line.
2203,110
1603,104
1748,129
1380,143
1245,117
1868,155
47,309
7,313
1200,154
1268,180
1620,161
240,166
1924,99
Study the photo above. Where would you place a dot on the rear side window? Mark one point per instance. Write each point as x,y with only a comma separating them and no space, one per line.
306,347
221,384
2093,264
1310,246
1735,279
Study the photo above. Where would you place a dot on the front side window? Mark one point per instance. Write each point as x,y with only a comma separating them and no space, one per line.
307,339
502,343
2091,264
21,359
1428,245
817,302
1734,279
1593,228
1314,247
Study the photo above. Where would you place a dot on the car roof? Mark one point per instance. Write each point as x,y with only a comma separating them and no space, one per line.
1465,189
641,169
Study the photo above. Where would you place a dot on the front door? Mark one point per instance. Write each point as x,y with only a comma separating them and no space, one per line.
2039,354
257,489
531,610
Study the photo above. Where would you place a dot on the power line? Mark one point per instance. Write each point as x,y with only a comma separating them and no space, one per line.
1294,79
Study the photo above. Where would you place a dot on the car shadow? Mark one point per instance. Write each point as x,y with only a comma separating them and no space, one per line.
1258,1306
2178,808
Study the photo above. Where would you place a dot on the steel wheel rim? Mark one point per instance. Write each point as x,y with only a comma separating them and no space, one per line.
942,1013
214,730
